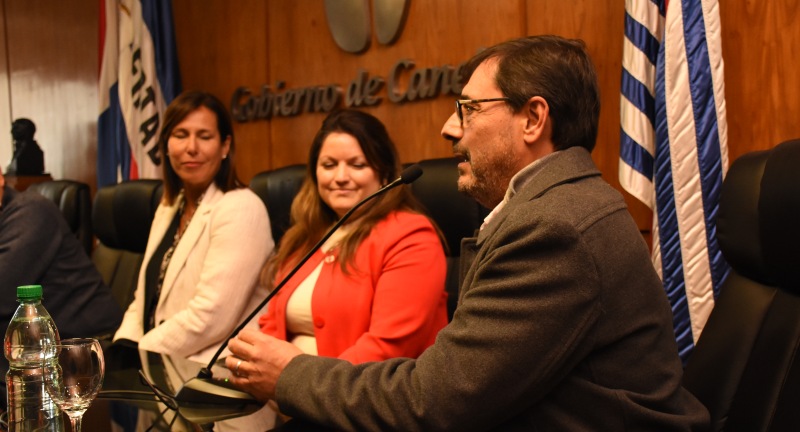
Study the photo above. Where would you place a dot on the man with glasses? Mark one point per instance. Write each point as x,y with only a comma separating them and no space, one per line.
562,323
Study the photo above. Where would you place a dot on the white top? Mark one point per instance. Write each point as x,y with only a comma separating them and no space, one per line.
299,318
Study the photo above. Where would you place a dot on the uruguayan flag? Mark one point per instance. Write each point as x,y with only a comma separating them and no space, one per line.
673,150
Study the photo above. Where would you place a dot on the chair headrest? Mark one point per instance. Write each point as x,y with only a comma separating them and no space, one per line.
277,188
779,209
122,213
71,197
738,219
757,224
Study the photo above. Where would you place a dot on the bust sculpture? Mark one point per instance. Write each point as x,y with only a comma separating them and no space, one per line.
28,158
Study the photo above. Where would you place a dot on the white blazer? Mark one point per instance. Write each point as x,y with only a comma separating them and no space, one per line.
211,283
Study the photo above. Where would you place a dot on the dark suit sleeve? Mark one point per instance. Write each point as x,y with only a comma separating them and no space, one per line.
517,332
27,248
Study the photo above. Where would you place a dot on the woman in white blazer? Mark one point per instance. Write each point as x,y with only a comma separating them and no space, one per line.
208,241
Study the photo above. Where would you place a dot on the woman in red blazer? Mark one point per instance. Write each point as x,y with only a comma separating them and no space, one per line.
375,290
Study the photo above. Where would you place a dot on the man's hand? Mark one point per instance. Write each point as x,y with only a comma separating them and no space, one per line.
258,361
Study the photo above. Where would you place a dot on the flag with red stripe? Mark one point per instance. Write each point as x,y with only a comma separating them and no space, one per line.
139,76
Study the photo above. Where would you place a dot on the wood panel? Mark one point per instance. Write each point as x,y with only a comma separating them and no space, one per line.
52,58
760,44
223,45
6,146
437,33
301,53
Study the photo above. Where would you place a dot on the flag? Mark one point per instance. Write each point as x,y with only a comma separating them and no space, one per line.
673,147
139,76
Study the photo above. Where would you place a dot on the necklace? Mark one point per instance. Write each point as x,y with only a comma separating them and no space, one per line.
186,217
168,254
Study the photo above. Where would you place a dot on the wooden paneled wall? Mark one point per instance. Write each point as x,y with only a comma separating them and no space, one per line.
290,41
51,68
760,43
262,43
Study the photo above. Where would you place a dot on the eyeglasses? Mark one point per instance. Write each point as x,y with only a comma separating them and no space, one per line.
462,102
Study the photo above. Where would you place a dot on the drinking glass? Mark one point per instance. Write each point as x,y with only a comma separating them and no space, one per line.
73,375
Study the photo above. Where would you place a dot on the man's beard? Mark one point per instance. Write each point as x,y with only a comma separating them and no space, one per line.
490,178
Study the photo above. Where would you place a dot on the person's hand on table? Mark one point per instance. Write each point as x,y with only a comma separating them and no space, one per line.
257,362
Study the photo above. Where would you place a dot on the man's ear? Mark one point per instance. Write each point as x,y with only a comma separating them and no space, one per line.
538,122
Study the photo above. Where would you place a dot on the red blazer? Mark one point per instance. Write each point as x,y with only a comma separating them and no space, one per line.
392,305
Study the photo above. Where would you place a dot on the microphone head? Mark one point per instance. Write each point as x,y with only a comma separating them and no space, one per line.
410,174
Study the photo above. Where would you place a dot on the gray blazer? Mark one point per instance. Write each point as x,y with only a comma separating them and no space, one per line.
562,324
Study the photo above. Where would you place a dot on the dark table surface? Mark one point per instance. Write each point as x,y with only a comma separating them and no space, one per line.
164,396
168,387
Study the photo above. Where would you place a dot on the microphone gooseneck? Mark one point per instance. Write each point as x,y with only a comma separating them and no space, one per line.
406,177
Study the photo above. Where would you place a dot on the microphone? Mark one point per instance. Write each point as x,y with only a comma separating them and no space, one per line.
197,388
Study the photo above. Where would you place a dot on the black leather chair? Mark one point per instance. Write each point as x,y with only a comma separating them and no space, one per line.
74,201
121,216
277,189
745,367
457,215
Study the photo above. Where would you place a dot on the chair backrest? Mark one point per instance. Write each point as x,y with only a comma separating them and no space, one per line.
277,189
74,201
121,216
745,367
457,215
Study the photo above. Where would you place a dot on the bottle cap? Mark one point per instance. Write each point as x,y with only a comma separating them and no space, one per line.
27,292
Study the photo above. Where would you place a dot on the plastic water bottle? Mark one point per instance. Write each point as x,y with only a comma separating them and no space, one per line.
29,333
